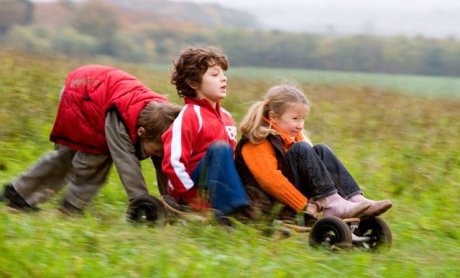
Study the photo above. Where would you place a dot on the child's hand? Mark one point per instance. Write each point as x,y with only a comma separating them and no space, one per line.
312,209
199,204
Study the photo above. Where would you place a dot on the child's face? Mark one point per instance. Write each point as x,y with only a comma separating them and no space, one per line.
152,148
292,120
213,86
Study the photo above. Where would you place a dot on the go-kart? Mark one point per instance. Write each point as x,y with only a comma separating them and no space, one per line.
369,233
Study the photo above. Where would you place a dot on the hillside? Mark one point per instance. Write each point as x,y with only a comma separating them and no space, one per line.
183,15
207,15
156,30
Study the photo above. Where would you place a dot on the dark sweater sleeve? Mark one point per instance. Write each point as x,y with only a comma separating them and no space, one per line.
123,154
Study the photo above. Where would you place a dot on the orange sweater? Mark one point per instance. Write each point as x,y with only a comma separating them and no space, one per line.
261,161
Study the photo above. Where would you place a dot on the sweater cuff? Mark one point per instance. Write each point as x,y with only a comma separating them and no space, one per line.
297,202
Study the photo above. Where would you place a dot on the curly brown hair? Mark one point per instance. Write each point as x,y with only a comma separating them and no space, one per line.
191,65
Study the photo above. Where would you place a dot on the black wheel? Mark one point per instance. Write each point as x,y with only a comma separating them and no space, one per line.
377,231
330,232
147,209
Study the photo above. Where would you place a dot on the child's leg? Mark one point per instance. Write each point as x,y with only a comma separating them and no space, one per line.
310,175
45,177
90,173
344,182
218,175
312,178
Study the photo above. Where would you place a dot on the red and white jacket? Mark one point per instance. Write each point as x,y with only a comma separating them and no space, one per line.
186,141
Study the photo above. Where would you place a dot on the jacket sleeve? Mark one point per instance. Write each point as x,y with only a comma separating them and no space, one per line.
178,141
123,154
261,161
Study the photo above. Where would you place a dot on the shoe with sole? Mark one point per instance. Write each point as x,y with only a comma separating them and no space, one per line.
376,208
335,205
69,209
14,200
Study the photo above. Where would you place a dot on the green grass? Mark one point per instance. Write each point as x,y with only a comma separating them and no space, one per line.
429,86
399,146
415,85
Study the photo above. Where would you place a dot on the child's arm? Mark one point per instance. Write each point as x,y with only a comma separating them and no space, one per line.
261,161
123,154
178,142
162,179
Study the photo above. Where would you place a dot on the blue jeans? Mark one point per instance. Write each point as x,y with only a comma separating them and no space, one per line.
318,173
216,175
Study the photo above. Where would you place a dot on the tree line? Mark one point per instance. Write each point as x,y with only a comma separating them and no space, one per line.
96,28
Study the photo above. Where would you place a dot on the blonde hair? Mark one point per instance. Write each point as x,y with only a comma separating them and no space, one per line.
277,99
156,117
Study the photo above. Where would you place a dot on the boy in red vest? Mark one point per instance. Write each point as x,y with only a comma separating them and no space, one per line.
105,115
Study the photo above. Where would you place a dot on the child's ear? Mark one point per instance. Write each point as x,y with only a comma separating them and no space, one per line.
192,84
272,115
141,132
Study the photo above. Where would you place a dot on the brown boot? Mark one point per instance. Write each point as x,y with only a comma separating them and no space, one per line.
375,207
335,205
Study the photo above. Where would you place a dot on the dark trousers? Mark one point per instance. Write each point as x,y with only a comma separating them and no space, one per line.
217,177
318,173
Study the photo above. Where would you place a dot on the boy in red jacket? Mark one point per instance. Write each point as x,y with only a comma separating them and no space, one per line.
199,145
105,115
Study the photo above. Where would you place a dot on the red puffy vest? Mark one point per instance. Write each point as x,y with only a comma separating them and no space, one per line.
90,91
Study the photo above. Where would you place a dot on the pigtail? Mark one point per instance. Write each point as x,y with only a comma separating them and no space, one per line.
253,126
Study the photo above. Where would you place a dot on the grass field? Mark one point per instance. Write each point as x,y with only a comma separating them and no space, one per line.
397,144
431,86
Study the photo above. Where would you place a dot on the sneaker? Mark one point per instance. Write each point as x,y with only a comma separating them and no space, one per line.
14,200
222,219
375,207
335,205
69,209
246,215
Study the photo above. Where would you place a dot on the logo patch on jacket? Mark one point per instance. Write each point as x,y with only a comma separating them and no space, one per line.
231,132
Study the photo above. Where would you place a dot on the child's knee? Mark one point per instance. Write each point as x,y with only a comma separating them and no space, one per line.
322,148
301,146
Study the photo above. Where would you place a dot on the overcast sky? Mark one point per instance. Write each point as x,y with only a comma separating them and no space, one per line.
434,18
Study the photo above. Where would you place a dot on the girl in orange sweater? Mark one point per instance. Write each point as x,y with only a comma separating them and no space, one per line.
276,156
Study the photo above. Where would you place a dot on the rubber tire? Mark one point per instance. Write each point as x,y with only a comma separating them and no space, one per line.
378,230
147,209
330,232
